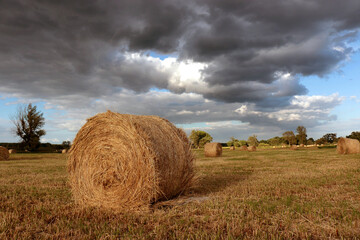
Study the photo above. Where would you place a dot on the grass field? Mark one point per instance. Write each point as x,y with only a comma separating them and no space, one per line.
307,194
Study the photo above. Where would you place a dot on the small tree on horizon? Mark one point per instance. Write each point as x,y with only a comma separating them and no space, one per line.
253,141
199,138
289,136
301,136
28,126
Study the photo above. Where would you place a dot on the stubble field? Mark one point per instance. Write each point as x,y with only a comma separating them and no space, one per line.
275,193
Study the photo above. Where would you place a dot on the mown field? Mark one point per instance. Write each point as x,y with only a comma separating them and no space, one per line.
304,194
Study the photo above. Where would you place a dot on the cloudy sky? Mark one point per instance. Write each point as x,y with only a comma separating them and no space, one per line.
229,67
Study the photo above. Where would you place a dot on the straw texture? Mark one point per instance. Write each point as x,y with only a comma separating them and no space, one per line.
348,146
4,154
251,148
213,149
119,161
12,151
243,148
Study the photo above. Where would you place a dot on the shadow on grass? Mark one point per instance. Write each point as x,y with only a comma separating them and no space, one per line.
217,182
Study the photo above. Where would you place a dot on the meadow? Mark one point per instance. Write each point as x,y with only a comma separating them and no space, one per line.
273,193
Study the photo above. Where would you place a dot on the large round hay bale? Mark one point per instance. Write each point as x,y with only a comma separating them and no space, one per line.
251,149
243,148
12,151
301,145
64,151
123,162
348,146
4,154
213,149
232,148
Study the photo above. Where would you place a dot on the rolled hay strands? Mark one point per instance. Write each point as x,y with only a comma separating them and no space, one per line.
251,149
12,151
213,149
348,146
4,154
243,148
127,162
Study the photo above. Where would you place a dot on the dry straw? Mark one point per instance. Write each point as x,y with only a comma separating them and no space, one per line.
232,148
251,148
126,162
243,148
12,151
4,154
64,151
293,147
213,149
348,146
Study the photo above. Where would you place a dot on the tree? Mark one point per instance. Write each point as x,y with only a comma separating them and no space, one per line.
253,141
66,144
289,137
301,136
310,141
275,141
329,137
28,126
233,142
199,138
354,135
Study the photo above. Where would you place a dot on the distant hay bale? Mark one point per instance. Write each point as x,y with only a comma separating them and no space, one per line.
4,154
348,146
251,149
293,147
301,145
124,162
232,148
243,148
12,151
64,151
213,149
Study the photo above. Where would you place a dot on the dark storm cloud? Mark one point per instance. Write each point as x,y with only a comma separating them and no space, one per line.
55,48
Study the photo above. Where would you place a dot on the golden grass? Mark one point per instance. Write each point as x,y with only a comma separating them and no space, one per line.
268,194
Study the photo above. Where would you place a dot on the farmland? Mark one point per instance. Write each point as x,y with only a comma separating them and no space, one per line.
273,193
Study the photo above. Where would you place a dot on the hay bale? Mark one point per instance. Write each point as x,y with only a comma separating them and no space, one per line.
4,154
301,145
348,146
213,149
293,147
251,149
243,148
64,151
232,148
12,151
124,162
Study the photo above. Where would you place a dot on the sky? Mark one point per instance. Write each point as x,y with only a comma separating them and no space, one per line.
228,67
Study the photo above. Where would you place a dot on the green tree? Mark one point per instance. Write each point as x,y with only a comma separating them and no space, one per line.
253,141
310,141
329,137
233,142
289,137
276,141
66,144
199,138
28,126
354,135
301,136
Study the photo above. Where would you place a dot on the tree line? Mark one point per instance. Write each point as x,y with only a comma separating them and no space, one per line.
29,123
199,138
